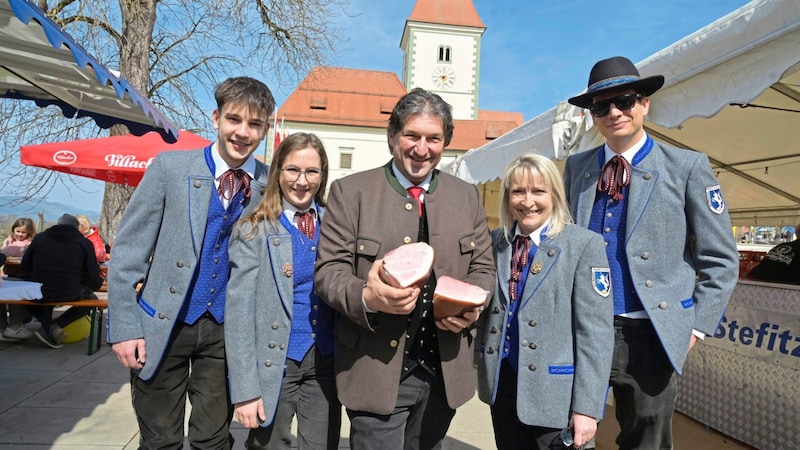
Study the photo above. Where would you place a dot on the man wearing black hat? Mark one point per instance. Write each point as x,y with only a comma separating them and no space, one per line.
673,256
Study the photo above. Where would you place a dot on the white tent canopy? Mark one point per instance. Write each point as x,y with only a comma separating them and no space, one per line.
732,91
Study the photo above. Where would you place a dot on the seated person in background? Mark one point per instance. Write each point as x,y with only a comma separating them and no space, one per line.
93,236
22,231
781,265
63,260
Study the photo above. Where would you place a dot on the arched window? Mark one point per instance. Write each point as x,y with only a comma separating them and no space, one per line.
444,55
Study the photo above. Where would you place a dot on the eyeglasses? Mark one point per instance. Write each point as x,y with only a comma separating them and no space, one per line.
623,102
293,173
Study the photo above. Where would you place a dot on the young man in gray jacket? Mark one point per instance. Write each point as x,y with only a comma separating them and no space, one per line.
669,243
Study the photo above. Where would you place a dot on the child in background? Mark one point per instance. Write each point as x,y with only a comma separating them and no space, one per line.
17,242
14,246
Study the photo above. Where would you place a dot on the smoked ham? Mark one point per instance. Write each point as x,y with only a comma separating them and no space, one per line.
407,265
453,297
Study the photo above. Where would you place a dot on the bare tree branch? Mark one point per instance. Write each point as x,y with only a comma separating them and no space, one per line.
175,51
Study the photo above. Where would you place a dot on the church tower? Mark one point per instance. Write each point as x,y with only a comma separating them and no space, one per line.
441,46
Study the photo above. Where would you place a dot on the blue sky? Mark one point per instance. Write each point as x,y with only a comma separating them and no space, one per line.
534,53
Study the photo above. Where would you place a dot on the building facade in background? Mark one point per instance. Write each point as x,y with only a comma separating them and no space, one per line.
349,108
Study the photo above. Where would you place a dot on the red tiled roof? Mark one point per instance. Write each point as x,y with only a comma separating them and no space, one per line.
469,134
354,97
500,116
446,12
339,96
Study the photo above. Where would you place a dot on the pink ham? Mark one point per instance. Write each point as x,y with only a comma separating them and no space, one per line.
407,265
453,297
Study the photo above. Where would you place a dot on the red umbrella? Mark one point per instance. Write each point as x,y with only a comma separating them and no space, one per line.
116,159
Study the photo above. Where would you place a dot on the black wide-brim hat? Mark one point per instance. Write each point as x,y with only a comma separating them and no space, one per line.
616,74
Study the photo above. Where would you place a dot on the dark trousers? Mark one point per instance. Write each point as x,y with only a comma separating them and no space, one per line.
509,432
44,314
419,421
645,387
193,364
308,391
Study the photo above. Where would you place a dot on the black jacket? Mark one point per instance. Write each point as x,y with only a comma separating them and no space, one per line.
781,265
63,260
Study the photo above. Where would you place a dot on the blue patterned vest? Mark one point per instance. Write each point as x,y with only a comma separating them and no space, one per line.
207,289
609,219
312,319
511,345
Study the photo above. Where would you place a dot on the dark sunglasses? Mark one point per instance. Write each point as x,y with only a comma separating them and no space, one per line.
623,102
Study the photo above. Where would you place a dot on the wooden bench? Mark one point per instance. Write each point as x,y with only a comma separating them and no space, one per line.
95,316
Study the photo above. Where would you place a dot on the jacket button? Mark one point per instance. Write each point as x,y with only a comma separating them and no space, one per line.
551,253
160,315
524,343
646,255
532,346
271,345
493,330
268,363
587,176
196,183
532,323
532,367
495,310
407,240
472,244
361,248
649,283
172,290
180,264
274,326
282,346
663,305
648,176
276,242
393,343
490,351
409,207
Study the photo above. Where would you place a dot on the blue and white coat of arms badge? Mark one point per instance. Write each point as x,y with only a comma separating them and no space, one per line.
714,199
601,280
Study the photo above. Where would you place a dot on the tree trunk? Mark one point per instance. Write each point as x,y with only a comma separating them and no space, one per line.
138,21
115,199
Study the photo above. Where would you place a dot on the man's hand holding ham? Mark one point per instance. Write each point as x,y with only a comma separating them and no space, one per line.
381,297
457,324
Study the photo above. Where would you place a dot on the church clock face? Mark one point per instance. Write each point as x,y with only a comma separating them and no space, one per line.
443,77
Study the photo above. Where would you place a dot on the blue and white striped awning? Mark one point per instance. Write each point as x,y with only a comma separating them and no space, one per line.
40,62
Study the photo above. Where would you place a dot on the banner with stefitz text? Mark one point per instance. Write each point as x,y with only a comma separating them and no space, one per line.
770,336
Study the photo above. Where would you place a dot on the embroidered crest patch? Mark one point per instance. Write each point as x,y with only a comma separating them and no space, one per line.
714,198
601,280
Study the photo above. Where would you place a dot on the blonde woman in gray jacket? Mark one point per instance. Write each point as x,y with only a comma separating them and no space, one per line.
547,335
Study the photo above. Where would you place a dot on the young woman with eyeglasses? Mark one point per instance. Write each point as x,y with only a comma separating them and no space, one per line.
278,333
